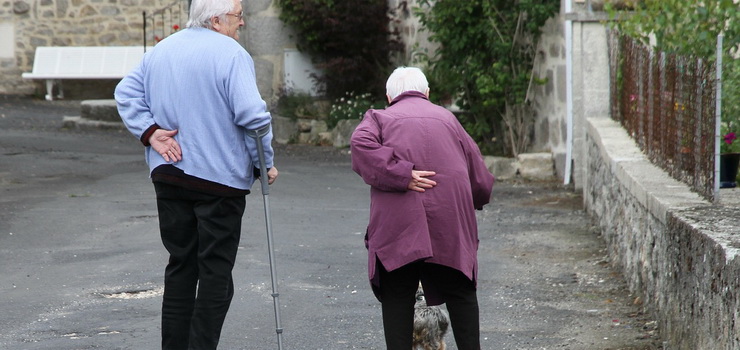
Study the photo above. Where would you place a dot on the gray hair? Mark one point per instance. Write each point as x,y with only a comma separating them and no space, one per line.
201,12
406,79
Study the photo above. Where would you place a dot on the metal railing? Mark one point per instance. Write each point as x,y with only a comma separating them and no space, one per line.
164,21
667,103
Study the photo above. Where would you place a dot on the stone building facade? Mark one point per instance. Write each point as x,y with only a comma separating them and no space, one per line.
27,24
266,38
589,76
548,100
415,38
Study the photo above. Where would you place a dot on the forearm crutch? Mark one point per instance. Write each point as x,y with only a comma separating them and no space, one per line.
258,135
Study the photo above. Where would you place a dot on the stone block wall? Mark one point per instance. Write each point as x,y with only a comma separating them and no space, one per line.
548,99
266,37
678,252
414,36
33,23
590,89
702,304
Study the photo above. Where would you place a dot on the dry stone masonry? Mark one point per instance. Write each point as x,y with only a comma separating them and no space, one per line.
676,250
26,24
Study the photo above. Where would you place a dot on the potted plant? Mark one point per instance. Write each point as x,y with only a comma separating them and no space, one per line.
729,156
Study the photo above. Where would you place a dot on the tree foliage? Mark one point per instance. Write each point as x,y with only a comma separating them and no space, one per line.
691,27
688,27
485,61
349,40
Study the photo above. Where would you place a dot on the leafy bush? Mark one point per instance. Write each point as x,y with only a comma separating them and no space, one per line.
690,27
293,104
686,27
731,101
349,40
485,62
731,87
351,107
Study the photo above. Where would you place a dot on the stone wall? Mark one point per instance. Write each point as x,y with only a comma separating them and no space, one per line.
590,84
414,36
590,78
678,252
32,23
266,37
548,99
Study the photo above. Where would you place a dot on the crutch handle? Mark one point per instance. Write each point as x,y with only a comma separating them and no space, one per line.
258,134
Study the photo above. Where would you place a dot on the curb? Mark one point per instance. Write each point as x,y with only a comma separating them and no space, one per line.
77,122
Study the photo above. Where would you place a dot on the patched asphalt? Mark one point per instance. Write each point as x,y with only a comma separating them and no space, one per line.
81,262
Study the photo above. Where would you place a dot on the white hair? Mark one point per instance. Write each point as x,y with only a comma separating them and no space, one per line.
406,79
201,12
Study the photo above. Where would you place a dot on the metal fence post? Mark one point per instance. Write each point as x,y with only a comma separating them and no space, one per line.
718,116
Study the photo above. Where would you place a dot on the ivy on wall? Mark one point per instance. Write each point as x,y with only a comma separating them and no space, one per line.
484,63
349,40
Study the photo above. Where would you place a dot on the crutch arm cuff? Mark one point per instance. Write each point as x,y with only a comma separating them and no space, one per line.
259,132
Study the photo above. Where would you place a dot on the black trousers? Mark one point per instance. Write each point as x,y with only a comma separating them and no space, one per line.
201,233
398,295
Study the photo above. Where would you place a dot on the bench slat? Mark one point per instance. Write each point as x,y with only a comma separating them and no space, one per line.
83,62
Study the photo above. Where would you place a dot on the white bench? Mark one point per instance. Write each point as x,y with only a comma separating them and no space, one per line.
54,63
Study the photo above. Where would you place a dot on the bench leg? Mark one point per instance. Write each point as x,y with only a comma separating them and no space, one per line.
61,89
49,88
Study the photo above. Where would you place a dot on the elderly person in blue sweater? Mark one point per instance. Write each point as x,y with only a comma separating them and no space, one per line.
190,102
426,177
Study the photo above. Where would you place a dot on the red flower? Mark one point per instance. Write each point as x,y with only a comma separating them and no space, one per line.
729,138
157,38
175,27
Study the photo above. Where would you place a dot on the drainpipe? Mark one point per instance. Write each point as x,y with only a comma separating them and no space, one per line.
568,93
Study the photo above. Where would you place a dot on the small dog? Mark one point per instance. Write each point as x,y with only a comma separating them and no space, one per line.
430,325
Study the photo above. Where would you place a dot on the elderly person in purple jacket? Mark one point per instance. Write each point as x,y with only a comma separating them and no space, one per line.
426,177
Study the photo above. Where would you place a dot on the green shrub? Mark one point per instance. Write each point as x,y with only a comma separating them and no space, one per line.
349,40
350,106
686,27
292,104
691,27
485,63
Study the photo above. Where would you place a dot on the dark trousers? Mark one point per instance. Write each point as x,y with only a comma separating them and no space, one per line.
398,295
201,233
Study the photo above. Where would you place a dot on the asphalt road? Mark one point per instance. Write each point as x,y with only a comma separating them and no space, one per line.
81,262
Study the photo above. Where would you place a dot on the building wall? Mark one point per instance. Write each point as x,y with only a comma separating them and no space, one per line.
27,24
677,252
548,99
590,79
266,37
590,85
414,36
